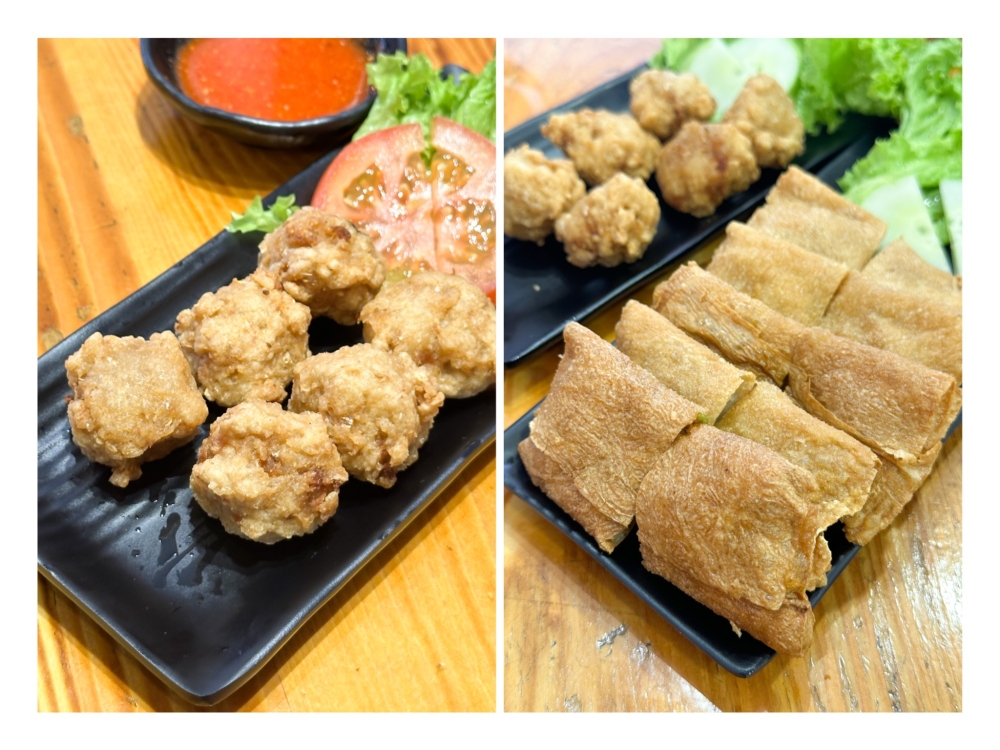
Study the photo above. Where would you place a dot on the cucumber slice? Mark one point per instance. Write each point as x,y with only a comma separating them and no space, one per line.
779,58
951,197
900,204
718,69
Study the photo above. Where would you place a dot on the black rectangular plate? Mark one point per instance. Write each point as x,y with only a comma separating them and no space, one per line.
543,292
201,608
742,655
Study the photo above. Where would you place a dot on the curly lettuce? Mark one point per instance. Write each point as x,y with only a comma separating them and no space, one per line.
260,219
411,89
928,142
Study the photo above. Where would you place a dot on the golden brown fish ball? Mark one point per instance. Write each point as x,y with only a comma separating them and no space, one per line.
766,115
268,474
441,321
133,401
613,224
602,143
703,165
325,263
244,340
379,407
536,190
662,101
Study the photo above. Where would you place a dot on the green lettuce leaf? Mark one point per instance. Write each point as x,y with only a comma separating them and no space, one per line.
675,54
933,103
410,89
477,102
859,75
928,143
260,219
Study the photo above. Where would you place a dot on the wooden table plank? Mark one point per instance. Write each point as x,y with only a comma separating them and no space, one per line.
128,187
889,631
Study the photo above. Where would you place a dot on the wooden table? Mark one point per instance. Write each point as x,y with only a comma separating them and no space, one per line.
128,187
889,632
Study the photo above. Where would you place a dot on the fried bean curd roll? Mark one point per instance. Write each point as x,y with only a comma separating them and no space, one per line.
602,143
662,101
741,521
897,266
679,362
895,406
901,321
893,488
801,209
766,115
133,401
703,165
745,331
844,469
794,282
603,425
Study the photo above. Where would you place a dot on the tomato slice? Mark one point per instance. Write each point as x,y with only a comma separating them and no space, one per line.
380,183
439,219
464,176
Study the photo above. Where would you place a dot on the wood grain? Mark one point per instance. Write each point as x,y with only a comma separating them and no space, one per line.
128,187
889,631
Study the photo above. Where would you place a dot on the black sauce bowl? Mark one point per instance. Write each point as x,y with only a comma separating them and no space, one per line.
159,56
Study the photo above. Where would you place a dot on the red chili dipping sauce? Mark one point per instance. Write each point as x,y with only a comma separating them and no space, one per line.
275,79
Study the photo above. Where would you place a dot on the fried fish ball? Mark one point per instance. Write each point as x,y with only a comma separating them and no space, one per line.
614,224
379,407
536,191
244,340
766,115
268,474
662,101
603,143
441,321
325,263
133,401
703,165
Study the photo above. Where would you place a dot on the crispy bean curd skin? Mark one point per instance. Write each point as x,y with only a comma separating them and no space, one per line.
603,425
379,407
133,401
268,474
442,322
244,340
680,362
735,525
802,209
536,191
325,263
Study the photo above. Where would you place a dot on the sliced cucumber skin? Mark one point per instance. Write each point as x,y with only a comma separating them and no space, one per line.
778,58
951,197
718,69
900,205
